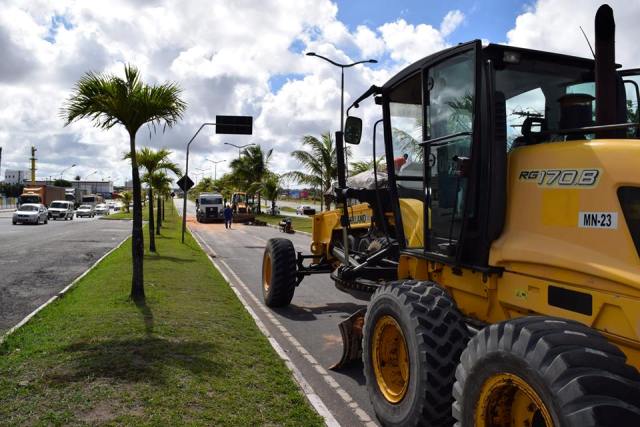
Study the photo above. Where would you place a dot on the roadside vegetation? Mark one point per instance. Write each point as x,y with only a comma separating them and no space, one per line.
189,354
108,100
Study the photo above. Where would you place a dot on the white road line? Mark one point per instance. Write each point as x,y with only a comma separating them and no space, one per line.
304,385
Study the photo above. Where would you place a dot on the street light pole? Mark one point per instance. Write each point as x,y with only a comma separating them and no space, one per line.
342,67
66,169
215,167
342,171
239,147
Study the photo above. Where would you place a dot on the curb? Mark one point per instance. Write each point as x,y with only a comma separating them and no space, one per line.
314,400
59,294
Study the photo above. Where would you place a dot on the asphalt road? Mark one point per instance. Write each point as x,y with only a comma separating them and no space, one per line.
312,318
37,261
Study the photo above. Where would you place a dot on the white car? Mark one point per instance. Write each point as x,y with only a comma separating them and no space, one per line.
305,210
31,213
101,209
61,209
85,210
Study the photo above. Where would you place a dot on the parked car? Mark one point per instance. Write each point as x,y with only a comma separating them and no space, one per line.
31,213
305,210
61,209
101,209
85,210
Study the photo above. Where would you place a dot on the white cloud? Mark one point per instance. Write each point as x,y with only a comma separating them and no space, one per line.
223,54
450,22
555,26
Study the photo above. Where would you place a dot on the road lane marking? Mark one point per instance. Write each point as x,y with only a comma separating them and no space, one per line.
308,391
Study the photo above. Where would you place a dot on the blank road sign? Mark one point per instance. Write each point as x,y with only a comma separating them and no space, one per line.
234,125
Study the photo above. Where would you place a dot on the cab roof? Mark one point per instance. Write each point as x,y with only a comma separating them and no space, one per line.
491,51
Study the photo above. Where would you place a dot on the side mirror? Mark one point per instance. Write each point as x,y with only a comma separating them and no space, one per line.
353,130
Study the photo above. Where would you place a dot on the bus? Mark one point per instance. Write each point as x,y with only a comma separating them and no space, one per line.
92,199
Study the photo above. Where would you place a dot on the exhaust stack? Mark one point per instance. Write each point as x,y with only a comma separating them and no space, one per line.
605,71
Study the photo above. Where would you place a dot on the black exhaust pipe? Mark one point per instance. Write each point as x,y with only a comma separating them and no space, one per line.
606,78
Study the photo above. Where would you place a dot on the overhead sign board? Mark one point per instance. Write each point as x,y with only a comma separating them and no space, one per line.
234,125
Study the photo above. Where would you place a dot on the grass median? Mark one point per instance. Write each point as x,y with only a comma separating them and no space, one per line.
190,355
299,223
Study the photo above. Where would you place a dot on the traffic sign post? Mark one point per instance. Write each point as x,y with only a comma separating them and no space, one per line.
232,125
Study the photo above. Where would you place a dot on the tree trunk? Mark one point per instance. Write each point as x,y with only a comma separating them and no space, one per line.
259,203
152,228
159,214
322,201
137,238
163,211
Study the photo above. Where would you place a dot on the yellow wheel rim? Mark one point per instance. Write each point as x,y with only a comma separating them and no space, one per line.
266,271
506,400
390,359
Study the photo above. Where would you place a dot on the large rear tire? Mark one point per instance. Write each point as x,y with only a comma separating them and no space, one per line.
541,371
412,340
278,272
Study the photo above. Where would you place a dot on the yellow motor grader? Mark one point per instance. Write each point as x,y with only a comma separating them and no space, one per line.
500,257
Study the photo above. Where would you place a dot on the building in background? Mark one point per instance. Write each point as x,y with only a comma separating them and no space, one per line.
12,176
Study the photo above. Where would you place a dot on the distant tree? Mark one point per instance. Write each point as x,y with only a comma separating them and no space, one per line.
320,164
270,187
160,182
153,161
62,183
251,167
126,197
109,100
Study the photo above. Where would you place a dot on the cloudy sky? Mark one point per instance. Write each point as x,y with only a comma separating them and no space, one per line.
244,57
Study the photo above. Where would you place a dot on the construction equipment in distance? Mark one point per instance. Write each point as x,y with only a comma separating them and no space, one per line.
242,211
501,257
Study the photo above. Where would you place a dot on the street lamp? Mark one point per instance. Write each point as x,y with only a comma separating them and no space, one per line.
239,147
215,167
66,169
90,175
342,67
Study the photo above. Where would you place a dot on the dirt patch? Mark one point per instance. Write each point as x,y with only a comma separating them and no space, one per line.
101,413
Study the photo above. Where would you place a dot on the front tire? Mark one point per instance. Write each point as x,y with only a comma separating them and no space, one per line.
278,272
412,340
541,371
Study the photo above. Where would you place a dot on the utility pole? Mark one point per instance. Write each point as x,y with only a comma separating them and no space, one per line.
33,165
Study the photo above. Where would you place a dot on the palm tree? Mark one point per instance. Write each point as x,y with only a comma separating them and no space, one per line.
153,161
270,187
160,182
108,100
363,166
126,197
320,163
251,167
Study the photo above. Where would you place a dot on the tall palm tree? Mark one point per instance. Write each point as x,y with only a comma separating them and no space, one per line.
251,167
159,181
153,161
320,164
108,100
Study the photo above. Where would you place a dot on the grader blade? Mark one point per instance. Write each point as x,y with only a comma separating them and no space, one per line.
351,332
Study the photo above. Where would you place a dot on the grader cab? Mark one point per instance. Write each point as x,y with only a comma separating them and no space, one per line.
501,256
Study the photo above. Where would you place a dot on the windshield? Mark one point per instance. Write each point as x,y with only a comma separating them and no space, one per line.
30,199
29,208
211,200
240,198
85,207
89,199
59,205
542,97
